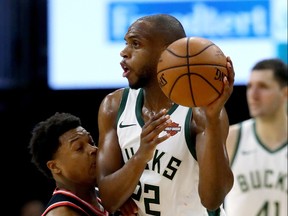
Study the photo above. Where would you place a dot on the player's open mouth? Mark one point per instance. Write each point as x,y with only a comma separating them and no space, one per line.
125,69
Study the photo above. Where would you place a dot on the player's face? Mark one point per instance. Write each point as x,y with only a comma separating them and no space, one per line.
76,157
264,95
140,55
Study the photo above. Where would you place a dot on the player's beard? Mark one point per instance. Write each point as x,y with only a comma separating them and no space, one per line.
144,77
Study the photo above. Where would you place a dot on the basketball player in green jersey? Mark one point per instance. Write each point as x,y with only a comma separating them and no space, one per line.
258,146
170,159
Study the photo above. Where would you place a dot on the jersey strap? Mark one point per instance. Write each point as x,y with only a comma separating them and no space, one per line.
214,213
65,199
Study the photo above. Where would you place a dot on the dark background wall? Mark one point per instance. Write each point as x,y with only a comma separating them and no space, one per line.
25,100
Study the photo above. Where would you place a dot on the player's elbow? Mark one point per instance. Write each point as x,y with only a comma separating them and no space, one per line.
211,203
213,197
110,206
111,201
213,200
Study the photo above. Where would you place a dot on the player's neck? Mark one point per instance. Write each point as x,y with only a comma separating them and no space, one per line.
155,100
272,133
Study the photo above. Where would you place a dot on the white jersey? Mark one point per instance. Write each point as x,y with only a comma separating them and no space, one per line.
260,177
169,184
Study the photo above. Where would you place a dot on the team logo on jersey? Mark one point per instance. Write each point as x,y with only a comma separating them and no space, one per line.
173,129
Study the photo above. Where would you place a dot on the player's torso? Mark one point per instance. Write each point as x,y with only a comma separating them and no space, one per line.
260,178
169,183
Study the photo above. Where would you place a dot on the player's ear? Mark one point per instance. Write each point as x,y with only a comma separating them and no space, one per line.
52,165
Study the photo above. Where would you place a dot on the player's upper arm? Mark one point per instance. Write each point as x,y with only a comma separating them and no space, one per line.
109,156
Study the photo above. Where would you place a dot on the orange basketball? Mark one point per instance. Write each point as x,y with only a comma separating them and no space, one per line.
191,71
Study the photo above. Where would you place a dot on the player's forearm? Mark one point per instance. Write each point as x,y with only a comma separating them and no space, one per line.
215,181
117,187
216,177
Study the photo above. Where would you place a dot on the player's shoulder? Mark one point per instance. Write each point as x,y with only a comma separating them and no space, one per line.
115,94
63,211
234,128
235,131
232,138
113,97
111,102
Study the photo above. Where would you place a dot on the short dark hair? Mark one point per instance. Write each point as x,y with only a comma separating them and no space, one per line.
167,26
278,67
45,138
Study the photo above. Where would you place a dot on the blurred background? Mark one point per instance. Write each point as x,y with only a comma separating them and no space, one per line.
63,56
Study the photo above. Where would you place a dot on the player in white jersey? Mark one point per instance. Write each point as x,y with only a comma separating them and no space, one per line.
165,181
148,146
258,146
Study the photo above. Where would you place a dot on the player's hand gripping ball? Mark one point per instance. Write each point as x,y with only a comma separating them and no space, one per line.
191,71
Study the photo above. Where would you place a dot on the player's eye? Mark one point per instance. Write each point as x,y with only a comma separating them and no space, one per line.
135,44
77,146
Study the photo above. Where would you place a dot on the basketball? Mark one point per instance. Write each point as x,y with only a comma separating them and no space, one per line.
191,70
